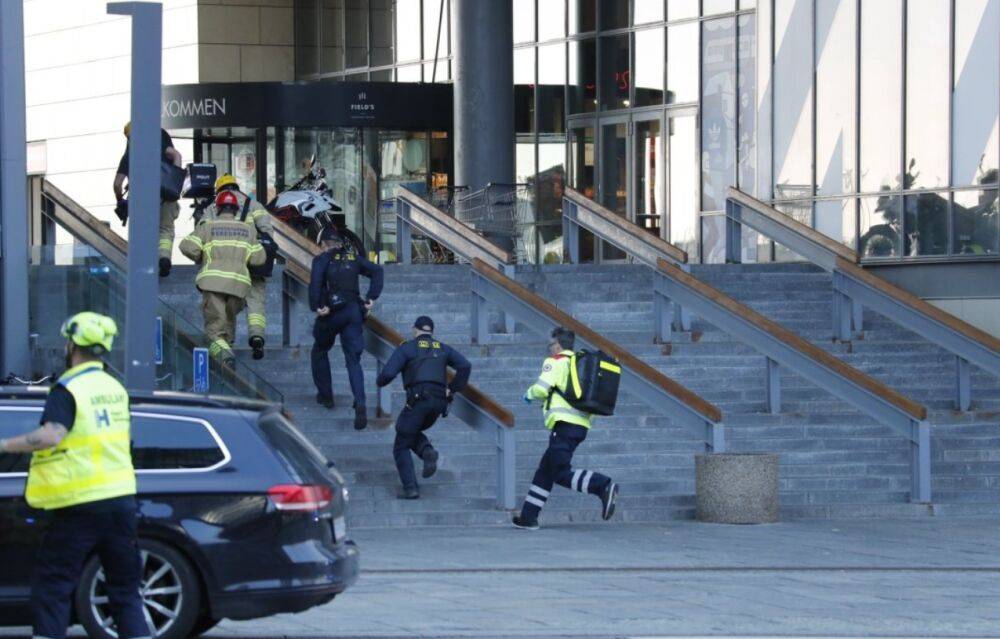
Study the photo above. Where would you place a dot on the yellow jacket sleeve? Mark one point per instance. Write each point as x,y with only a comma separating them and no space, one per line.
261,218
553,375
192,244
256,255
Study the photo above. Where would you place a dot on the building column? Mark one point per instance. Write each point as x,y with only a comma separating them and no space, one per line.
483,59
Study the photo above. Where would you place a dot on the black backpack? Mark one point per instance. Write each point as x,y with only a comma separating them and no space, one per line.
592,385
270,247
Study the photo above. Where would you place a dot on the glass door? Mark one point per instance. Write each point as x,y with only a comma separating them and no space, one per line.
582,173
613,189
647,174
682,181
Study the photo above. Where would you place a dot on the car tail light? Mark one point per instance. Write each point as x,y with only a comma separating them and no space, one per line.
299,498
286,213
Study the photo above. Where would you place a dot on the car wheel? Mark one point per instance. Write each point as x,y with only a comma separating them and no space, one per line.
171,594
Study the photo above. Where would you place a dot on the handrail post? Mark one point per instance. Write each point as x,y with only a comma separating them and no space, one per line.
509,323
842,312
661,315
404,233
857,315
506,469
571,232
715,437
734,234
773,387
479,319
963,384
682,316
920,462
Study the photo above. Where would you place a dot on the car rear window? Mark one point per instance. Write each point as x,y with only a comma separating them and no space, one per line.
173,443
299,455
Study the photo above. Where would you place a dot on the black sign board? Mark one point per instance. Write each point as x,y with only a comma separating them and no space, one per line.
254,104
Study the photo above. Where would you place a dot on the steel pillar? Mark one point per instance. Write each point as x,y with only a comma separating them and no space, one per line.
144,192
15,356
483,35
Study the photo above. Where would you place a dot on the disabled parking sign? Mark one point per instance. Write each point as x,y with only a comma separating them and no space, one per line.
159,341
200,370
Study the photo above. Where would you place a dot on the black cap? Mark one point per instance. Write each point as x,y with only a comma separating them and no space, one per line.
329,233
424,323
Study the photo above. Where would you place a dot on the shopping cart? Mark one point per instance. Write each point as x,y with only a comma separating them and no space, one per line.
502,211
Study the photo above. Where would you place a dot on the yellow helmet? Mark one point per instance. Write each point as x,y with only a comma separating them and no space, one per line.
91,331
128,128
226,179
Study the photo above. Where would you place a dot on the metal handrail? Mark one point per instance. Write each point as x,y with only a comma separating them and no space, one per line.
784,348
414,212
855,288
580,211
97,234
471,405
654,388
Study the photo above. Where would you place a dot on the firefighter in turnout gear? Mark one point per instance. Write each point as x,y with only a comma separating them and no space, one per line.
335,297
81,472
253,213
223,247
424,362
568,428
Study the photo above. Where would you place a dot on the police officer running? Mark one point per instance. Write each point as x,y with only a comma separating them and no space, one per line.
335,297
253,213
168,210
424,362
81,470
223,247
569,428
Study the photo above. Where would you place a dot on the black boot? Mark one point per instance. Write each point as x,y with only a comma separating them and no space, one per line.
325,402
257,344
360,418
409,493
609,499
430,457
524,524
165,266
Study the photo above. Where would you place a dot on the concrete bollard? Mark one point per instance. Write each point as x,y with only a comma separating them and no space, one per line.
733,488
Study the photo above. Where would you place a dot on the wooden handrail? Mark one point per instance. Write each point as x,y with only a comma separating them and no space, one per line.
456,226
302,273
792,224
690,399
919,305
89,221
779,332
629,227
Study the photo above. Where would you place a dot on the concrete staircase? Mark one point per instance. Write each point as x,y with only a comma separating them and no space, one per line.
835,461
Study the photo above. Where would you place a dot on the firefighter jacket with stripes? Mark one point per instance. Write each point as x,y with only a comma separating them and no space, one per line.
555,374
94,461
257,215
223,248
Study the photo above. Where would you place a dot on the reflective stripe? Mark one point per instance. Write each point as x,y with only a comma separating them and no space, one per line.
243,244
541,492
167,244
218,345
211,272
575,482
536,502
566,411
586,481
194,239
544,384
577,391
256,319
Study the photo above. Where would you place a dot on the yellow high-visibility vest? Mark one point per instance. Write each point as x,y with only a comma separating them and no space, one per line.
93,462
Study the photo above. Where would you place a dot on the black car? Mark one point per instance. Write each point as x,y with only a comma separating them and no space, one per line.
240,516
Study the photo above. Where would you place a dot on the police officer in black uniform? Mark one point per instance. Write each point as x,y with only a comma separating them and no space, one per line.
424,362
335,297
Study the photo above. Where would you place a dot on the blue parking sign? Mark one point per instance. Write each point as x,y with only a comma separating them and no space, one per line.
200,370
159,340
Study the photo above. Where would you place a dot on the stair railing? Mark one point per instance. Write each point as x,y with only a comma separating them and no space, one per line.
783,348
855,288
663,394
471,405
580,212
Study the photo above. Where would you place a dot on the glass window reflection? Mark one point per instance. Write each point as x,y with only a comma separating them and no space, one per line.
793,78
682,62
356,33
801,211
306,44
879,221
836,25
331,36
613,167
614,84
645,11
976,222
683,184
747,107
649,63
614,14
524,20
711,7
549,192
435,28
381,19
926,224
881,66
552,88
718,112
681,9
927,54
582,16
407,36
713,239
648,149
582,76
977,93
836,219
551,19
524,90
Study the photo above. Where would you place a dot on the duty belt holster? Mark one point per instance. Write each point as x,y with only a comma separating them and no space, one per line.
427,391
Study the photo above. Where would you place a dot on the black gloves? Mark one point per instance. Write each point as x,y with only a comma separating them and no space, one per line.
121,210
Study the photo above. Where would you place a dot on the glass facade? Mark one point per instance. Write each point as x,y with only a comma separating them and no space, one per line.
874,121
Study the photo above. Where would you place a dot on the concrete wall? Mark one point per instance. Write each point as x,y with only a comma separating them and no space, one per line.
245,41
982,313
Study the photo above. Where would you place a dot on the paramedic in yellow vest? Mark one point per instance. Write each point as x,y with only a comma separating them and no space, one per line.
258,217
223,248
81,471
568,428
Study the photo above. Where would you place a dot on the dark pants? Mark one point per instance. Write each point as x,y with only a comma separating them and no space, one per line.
413,420
347,323
556,467
107,529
